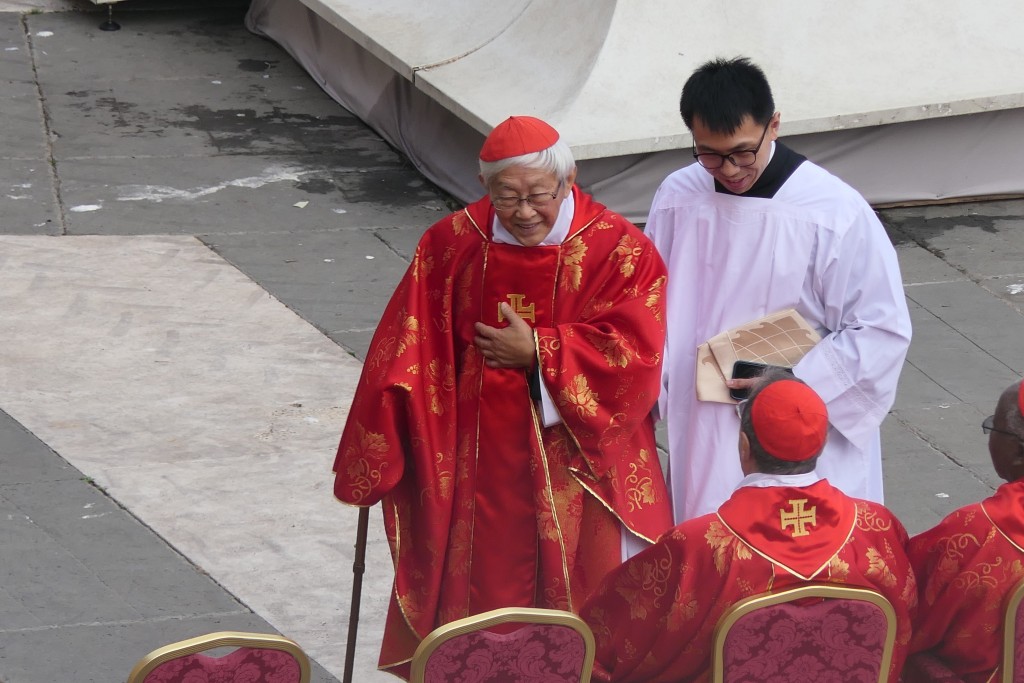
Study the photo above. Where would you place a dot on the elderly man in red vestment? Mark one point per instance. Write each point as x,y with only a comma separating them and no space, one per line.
654,617
969,562
503,413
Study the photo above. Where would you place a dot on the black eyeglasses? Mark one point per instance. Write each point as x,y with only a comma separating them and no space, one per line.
537,201
986,428
741,158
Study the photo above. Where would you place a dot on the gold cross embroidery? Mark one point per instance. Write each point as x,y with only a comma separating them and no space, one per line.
523,311
797,517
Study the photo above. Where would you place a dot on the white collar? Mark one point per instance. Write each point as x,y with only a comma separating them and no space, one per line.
763,481
559,231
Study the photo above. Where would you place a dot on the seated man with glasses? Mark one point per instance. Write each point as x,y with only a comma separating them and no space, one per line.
971,560
503,414
753,228
783,526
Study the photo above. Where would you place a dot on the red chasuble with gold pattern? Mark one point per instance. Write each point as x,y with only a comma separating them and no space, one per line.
654,617
483,506
966,567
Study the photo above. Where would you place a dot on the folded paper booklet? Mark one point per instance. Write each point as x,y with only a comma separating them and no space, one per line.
781,338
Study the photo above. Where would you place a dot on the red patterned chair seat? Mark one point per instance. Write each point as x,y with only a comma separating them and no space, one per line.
244,664
807,634
557,649
259,658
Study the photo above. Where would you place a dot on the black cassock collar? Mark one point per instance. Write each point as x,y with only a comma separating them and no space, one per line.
774,176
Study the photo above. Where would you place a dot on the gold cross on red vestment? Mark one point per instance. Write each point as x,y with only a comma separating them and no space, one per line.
797,517
522,310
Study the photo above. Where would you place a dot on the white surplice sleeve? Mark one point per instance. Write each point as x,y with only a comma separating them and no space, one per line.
661,236
856,288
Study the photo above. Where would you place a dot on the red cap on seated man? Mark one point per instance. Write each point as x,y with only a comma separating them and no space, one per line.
961,617
654,617
787,422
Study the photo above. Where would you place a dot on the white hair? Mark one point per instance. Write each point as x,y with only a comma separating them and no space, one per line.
556,159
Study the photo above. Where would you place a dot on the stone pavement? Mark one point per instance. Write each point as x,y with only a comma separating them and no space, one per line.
194,243
195,246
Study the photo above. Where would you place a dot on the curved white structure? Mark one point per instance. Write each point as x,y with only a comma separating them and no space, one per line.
907,101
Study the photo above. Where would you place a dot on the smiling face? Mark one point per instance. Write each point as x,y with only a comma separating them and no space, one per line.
528,224
736,179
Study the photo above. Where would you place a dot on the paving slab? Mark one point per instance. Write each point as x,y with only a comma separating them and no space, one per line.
23,136
1009,288
982,319
210,42
29,202
919,266
147,118
340,280
15,57
143,576
235,193
923,484
55,583
982,239
86,588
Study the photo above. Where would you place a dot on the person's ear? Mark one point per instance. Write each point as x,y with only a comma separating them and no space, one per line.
570,180
1018,460
747,464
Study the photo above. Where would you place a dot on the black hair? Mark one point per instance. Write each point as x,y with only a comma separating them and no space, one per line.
766,462
722,93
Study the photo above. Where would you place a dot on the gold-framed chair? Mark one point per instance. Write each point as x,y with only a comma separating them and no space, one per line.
1013,636
813,627
529,644
265,657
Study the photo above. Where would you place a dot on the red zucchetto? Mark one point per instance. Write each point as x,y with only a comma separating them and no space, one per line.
516,136
790,420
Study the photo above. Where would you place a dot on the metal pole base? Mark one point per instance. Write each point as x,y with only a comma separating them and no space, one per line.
110,24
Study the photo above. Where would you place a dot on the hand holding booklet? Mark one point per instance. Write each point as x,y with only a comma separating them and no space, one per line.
781,339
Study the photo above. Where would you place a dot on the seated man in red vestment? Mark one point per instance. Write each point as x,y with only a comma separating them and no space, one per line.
654,617
503,413
969,562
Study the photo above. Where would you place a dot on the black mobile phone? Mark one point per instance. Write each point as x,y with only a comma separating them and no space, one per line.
745,369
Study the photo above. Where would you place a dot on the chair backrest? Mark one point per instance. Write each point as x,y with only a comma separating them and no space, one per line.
1013,636
260,657
832,632
529,645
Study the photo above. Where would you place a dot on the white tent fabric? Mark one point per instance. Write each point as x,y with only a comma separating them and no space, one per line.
907,102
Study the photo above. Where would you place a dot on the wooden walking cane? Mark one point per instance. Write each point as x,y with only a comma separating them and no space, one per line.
358,566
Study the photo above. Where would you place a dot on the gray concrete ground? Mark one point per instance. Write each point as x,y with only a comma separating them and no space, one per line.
195,246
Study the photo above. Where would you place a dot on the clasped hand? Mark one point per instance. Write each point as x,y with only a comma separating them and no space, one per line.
506,347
